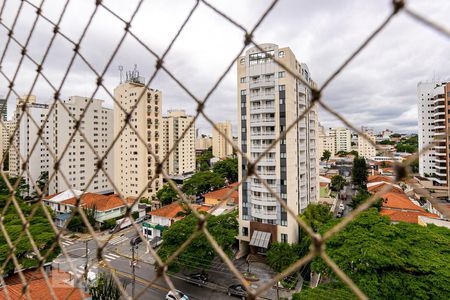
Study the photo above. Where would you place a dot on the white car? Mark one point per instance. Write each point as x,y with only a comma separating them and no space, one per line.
341,206
171,296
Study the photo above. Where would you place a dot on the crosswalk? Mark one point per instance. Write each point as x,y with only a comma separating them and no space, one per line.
79,271
118,240
110,256
67,243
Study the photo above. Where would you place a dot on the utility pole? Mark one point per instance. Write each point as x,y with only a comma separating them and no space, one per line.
87,258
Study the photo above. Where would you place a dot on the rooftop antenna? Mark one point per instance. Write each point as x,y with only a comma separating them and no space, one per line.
121,73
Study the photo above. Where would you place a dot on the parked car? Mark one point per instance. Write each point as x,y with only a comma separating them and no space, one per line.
237,290
339,215
199,279
171,296
135,240
341,206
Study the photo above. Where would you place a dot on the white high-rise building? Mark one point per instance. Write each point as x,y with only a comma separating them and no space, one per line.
426,109
343,139
134,165
365,148
203,142
182,159
25,138
326,141
220,147
270,99
79,162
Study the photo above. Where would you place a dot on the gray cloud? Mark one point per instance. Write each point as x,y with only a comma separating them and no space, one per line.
377,89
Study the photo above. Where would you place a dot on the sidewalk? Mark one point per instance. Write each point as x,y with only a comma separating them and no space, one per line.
140,253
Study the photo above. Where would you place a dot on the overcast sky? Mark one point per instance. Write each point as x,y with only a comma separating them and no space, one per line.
377,89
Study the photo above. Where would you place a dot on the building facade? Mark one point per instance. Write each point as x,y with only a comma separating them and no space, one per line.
343,138
269,99
365,148
79,162
134,164
181,160
220,147
25,138
426,121
326,141
203,142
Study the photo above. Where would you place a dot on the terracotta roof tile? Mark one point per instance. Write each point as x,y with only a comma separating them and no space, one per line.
378,187
400,201
379,178
220,193
101,202
171,211
405,216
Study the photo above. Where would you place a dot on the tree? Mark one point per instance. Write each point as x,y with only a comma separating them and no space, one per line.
359,172
203,160
105,288
390,261
415,166
326,155
316,215
386,142
76,223
41,182
359,198
166,194
227,168
337,183
203,182
281,255
199,254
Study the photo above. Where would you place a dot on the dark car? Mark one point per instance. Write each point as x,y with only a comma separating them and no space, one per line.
199,279
135,240
237,290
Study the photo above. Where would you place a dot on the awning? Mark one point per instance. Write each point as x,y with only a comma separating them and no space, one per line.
260,239
154,226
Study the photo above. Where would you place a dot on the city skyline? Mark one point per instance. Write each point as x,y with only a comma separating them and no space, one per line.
389,99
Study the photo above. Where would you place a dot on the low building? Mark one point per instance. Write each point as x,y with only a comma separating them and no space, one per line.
162,218
213,198
106,206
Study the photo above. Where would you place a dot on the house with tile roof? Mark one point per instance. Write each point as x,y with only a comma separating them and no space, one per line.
215,197
106,206
162,218
59,282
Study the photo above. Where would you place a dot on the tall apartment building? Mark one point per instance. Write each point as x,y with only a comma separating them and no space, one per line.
343,139
3,108
203,142
326,141
433,106
78,164
269,99
365,148
134,165
220,147
25,138
182,159
426,122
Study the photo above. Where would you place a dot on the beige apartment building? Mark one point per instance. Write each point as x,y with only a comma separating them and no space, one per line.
270,99
203,142
134,164
365,148
326,141
220,147
343,138
79,163
181,160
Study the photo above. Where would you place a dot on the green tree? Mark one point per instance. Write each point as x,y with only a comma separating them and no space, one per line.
337,183
203,182
326,155
199,254
105,288
76,224
316,215
359,172
203,160
40,182
281,255
166,194
390,261
386,142
227,168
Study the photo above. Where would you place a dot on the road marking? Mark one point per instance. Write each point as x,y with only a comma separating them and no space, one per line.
67,243
110,256
118,240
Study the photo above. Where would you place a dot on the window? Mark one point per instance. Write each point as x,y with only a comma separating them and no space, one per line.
284,238
242,61
280,53
281,74
281,88
243,79
243,92
245,231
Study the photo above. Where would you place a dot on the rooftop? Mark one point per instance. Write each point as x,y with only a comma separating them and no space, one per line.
221,193
172,210
101,202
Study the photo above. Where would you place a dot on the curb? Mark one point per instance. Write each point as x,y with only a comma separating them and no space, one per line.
129,257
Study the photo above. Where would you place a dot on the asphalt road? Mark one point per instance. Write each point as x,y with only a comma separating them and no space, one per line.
120,265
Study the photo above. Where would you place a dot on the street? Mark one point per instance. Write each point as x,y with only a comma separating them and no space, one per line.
120,265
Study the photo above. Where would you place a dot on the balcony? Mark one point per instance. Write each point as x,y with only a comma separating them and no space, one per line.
259,187
263,135
262,96
262,83
260,148
262,122
262,109
264,214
